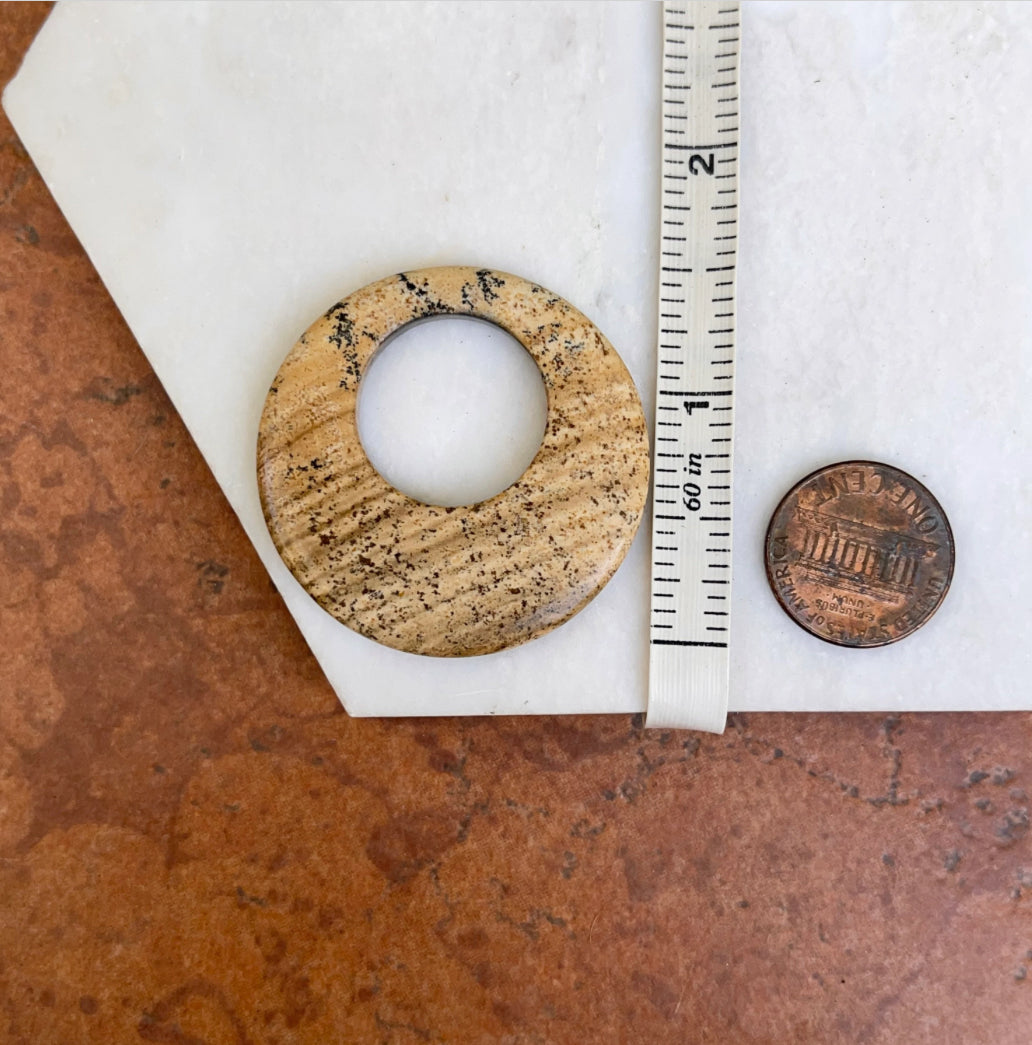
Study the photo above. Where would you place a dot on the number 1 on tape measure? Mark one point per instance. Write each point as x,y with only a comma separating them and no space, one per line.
691,511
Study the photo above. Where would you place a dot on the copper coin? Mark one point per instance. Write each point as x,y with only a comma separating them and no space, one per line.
859,554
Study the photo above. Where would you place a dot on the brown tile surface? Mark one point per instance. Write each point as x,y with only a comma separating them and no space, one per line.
198,846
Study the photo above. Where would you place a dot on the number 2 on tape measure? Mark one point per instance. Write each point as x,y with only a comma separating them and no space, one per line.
691,518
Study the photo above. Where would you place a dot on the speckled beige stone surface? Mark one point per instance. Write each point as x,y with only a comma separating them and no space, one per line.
453,581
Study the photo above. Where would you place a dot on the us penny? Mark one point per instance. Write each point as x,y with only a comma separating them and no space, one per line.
859,554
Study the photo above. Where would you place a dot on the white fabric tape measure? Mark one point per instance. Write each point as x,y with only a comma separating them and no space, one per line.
690,625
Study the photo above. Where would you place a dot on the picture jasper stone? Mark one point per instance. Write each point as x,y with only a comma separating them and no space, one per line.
453,581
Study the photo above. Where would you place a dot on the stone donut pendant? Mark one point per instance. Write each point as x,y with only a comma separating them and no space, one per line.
452,582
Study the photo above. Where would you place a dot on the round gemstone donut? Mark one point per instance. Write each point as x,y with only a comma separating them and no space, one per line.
453,581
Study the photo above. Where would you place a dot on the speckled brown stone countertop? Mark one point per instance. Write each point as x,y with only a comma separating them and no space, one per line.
198,846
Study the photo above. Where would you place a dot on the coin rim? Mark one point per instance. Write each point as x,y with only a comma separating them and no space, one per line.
831,467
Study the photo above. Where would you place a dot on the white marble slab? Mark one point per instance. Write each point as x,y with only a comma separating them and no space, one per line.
233,169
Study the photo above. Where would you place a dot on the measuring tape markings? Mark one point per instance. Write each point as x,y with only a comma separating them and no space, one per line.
691,549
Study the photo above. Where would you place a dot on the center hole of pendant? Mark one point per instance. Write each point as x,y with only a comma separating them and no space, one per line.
452,410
